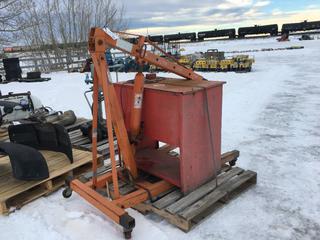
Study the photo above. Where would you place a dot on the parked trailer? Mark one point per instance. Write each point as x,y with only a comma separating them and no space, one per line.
312,25
231,33
156,38
131,40
271,29
302,26
180,36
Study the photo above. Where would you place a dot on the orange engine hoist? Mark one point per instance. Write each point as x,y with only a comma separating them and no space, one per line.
184,114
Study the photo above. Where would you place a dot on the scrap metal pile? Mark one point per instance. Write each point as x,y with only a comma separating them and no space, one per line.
25,107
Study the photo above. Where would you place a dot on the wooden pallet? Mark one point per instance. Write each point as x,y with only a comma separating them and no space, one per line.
4,135
187,211
15,193
77,124
82,142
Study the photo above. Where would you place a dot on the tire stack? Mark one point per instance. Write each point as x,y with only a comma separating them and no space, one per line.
12,69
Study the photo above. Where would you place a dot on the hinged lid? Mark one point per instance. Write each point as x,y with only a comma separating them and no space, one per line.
175,85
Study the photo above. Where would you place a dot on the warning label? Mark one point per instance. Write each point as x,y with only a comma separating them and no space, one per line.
138,100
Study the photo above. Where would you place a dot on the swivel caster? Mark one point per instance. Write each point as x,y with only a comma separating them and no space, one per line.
233,162
127,233
67,192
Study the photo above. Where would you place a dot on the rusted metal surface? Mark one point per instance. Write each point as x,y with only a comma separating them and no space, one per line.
159,163
177,85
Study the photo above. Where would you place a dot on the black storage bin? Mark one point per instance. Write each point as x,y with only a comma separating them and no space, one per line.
33,75
12,68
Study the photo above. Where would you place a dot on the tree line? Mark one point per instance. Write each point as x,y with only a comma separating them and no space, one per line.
56,22
37,22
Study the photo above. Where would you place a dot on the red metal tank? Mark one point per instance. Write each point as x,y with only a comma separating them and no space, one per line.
174,112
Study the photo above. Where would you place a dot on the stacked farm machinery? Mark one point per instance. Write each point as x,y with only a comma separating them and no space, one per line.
210,61
215,61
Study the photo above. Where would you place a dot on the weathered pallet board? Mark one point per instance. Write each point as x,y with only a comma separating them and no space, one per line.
187,211
3,135
77,124
186,201
15,193
82,142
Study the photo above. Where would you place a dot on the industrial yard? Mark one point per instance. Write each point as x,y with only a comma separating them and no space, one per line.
269,114
176,120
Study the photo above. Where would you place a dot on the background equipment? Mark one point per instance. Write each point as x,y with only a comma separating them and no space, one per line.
12,68
86,128
17,106
27,107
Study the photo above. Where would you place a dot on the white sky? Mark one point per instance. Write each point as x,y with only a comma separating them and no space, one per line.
171,16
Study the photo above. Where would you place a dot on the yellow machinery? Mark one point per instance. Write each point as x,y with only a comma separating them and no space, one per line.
225,64
204,64
242,63
213,63
217,62
200,64
185,61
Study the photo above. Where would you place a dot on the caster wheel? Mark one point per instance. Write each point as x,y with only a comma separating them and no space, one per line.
67,192
127,234
233,162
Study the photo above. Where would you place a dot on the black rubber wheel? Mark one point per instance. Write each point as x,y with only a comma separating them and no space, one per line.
67,192
127,234
233,162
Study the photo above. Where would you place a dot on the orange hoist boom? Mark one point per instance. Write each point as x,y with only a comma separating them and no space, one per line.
99,41
106,39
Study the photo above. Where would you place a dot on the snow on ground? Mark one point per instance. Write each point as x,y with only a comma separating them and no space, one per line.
271,115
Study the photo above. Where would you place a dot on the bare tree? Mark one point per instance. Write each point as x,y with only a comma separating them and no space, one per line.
10,10
69,21
61,23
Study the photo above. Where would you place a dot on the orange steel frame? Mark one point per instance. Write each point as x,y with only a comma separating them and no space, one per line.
99,41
